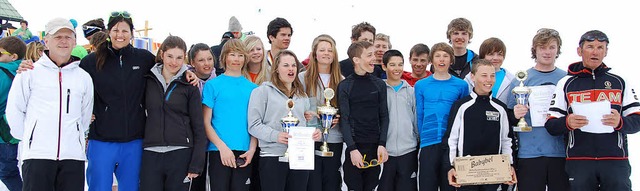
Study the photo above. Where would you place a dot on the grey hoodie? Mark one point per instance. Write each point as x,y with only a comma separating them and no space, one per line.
335,135
402,136
267,106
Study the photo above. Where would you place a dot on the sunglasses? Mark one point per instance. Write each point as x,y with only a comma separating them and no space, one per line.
124,14
372,163
591,38
6,53
90,28
547,30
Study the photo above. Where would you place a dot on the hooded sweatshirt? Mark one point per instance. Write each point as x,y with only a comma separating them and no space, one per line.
49,108
402,136
335,136
267,106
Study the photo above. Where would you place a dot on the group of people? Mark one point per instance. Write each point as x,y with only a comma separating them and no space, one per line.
161,124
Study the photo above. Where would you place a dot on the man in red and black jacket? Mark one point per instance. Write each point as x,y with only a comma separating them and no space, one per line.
595,161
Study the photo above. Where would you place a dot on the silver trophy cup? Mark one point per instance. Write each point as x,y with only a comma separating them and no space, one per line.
522,93
288,122
326,113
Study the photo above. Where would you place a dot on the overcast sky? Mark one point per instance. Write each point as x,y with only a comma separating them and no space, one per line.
407,22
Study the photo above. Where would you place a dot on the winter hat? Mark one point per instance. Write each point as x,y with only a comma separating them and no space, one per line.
234,24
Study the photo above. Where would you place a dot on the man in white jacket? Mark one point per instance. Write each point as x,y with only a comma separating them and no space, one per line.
49,108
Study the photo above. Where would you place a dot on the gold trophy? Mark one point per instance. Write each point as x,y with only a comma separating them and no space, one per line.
522,97
327,113
288,122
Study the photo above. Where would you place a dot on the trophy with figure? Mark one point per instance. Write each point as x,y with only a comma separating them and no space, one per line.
522,93
326,113
288,122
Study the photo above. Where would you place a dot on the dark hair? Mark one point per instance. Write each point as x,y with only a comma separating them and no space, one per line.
418,50
197,48
391,53
356,49
593,35
275,25
492,45
14,45
459,24
357,30
102,51
99,22
98,39
25,22
169,43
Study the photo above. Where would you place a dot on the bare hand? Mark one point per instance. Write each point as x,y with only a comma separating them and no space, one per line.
192,78
576,121
520,111
283,138
247,156
25,65
356,158
612,119
383,156
317,135
451,175
227,157
308,115
192,175
514,179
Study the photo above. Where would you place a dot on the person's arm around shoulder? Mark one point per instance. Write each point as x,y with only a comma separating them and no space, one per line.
383,113
17,102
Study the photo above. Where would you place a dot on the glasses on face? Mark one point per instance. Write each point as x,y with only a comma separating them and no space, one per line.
124,14
372,163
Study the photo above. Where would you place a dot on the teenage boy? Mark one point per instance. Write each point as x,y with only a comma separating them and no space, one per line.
279,33
480,124
419,59
50,108
12,51
401,171
540,157
434,97
360,32
381,44
364,120
595,160
460,33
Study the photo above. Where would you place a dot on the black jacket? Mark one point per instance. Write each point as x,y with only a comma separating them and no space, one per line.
586,85
119,91
358,114
175,118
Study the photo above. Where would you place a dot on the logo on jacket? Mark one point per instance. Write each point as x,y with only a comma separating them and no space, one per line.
633,91
135,67
492,115
607,84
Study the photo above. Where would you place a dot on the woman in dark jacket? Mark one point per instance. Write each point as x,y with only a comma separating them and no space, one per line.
174,138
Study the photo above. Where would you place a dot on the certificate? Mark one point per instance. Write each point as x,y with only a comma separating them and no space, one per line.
301,146
594,111
539,103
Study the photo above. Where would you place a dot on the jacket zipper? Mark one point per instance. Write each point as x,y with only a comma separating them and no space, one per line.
68,99
126,117
60,113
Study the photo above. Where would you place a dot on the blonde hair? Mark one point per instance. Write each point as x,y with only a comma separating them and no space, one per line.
383,37
251,42
33,50
312,76
233,45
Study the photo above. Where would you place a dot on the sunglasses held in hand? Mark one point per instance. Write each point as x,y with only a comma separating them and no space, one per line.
372,163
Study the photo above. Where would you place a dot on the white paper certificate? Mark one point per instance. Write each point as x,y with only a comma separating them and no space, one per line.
301,148
539,103
594,111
